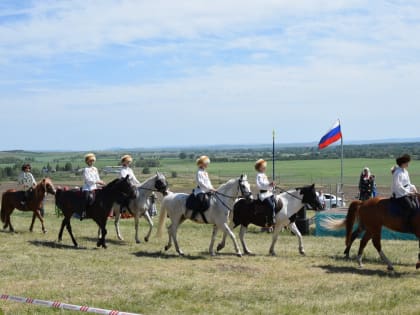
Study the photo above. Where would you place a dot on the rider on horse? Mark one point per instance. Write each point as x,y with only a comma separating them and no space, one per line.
402,189
27,182
126,160
204,186
266,189
91,182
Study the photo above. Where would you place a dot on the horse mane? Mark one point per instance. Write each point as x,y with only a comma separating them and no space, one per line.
229,182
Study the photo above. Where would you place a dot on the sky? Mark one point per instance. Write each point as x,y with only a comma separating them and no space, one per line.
98,74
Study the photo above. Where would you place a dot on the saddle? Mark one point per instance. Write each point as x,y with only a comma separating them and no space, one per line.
260,208
400,208
198,204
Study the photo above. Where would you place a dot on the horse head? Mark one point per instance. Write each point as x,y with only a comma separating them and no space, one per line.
161,183
48,186
125,187
245,187
310,197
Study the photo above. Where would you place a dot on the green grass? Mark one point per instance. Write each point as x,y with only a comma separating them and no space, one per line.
141,278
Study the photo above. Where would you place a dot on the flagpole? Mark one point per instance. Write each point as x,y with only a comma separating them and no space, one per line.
342,166
274,155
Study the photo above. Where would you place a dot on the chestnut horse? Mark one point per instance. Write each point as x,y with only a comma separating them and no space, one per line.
372,215
71,201
12,200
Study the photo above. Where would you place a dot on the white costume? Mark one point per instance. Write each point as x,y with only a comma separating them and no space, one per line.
203,182
26,180
125,170
401,184
91,177
264,186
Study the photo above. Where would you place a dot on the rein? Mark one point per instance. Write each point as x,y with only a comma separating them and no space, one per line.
222,202
290,194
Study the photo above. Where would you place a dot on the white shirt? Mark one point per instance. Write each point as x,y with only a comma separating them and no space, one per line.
91,177
401,184
125,170
264,184
203,182
26,180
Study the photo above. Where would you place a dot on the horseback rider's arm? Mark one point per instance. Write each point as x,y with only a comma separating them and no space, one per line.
91,177
32,180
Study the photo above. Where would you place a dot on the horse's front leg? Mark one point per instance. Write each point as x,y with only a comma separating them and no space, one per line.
242,233
296,231
150,221
39,216
418,261
222,244
136,226
69,229
117,216
101,241
275,238
31,228
225,228
213,239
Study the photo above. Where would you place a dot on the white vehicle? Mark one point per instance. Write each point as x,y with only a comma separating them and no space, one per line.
332,201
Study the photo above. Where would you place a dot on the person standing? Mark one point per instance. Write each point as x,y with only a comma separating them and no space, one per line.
126,161
365,185
402,189
91,182
266,190
374,187
26,182
321,197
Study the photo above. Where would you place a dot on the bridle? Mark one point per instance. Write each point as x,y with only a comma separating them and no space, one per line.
241,189
302,200
163,187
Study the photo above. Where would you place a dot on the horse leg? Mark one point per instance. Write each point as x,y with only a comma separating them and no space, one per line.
376,240
31,228
169,245
69,229
117,216
242,233
150,221
275,238
9,223
60,234
418,261
136,226
173,230
354,235
222,244
213,239
37,213
366,238
296,231
225,228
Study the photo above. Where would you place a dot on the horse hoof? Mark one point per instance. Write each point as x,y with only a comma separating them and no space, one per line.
302,252
213,254
249,253
44,231
98,244
390,268
104,246
273,254
418,265
31,230
347,257
181,254
146,239
220,247
138,242
239,255
166,248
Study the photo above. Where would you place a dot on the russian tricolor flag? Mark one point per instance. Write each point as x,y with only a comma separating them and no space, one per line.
333,135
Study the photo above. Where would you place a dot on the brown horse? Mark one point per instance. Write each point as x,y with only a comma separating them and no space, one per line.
372,215
12,200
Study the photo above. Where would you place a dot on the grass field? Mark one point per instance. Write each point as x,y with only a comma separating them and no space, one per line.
141,278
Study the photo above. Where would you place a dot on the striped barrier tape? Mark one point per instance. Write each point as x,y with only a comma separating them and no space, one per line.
60,305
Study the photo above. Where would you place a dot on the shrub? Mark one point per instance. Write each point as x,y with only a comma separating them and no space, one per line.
146,170
174,174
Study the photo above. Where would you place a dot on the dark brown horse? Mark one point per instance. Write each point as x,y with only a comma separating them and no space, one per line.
12,200
372,215
71,201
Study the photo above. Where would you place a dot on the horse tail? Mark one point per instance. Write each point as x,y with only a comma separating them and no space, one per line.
348,222
352,215
162,217
3,208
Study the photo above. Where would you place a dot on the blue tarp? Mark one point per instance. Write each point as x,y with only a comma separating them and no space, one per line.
322,231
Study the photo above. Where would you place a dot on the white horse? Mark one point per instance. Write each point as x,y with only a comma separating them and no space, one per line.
174,205
293,201
139,206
